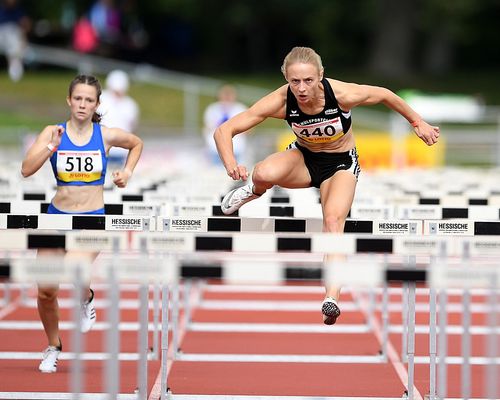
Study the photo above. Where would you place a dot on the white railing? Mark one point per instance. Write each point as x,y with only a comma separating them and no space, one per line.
475,142
193,86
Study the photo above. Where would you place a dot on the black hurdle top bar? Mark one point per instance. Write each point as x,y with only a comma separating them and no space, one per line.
287,244
274,211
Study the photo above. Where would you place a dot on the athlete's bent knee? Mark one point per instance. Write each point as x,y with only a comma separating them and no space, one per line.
262,176
47,295
333,223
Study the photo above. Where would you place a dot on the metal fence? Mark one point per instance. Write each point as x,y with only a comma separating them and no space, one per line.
474,143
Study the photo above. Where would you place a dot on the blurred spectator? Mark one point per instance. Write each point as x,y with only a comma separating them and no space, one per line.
14,24
84,36
109,29
216,114
118,110
105,19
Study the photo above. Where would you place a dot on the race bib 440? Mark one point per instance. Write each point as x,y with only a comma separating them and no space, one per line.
84,166
320,132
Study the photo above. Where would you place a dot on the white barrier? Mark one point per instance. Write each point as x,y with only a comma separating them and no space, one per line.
179,242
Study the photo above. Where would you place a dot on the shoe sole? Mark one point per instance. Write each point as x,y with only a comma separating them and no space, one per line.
331,312
48,372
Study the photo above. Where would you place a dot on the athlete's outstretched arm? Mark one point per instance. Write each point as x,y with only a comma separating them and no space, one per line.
272,105
351,95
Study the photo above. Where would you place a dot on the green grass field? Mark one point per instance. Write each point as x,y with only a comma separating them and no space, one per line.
39,97
39,100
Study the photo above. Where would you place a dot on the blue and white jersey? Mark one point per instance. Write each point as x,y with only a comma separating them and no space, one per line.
75,165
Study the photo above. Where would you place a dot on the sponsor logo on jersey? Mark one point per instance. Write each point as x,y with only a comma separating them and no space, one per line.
331,111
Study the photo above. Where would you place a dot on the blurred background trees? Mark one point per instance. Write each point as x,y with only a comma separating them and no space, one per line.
422,47
395,38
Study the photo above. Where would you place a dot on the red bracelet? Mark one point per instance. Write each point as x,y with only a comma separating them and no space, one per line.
52,148
415,123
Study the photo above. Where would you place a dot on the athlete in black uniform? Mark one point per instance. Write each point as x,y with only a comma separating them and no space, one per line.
324,155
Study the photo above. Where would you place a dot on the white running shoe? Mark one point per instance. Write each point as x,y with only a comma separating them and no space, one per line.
49,359
87,314
236,198
330,310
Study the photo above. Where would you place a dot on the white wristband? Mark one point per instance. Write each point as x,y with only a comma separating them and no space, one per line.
51,147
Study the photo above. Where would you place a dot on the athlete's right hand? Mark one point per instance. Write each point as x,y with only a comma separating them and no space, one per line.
238,172
56,135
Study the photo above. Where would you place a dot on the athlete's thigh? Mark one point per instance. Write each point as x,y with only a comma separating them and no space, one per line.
337,194
286,169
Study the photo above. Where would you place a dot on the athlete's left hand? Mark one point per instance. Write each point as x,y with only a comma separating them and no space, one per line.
428,133
121,177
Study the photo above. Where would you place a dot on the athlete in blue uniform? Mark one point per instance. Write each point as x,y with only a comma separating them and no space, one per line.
324,155
77,150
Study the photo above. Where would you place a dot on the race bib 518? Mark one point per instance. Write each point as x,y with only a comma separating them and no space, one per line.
85,166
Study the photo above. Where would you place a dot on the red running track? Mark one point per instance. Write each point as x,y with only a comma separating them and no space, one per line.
380,380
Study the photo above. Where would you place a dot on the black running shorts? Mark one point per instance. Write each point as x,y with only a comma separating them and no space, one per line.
322,165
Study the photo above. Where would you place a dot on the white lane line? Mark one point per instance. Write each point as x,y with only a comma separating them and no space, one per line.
282,358
253,327
233,397
35,355
10,308
62,396
392,354
243,397
68,326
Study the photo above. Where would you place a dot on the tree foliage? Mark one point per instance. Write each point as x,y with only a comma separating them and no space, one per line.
392,37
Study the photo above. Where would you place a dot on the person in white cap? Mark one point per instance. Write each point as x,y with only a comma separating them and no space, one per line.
118,110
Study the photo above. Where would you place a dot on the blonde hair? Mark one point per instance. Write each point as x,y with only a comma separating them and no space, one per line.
304,55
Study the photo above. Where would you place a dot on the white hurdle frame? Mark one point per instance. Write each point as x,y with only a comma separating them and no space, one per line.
317,245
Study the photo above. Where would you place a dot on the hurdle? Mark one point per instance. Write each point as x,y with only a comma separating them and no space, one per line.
371,276
88,240
142,270
317,243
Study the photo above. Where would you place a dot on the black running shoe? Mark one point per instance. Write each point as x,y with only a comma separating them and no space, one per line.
330,311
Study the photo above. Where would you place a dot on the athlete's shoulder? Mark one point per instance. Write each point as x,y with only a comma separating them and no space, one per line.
337,85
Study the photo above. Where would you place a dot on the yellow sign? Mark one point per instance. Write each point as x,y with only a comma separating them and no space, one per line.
378,150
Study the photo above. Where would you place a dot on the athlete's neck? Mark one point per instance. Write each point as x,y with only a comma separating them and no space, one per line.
79,129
